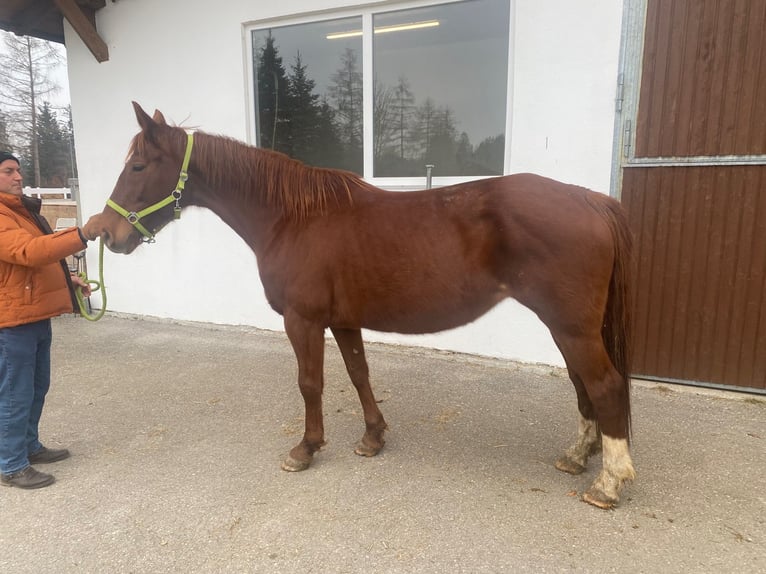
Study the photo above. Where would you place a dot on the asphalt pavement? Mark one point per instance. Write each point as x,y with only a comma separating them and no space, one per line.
177,431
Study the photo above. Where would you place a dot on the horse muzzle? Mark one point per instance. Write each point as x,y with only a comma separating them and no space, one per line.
118,235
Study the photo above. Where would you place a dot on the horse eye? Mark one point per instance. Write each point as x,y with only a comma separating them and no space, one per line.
138,167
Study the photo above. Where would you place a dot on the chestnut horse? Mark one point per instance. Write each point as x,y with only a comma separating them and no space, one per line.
335,252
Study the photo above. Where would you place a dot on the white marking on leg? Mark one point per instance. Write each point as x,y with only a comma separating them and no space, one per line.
588,441
618,468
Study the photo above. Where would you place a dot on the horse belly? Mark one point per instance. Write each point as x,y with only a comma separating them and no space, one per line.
431,313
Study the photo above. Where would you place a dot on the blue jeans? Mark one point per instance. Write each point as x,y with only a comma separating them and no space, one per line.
25,376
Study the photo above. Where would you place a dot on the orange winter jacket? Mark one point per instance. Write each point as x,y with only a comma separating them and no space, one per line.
34,281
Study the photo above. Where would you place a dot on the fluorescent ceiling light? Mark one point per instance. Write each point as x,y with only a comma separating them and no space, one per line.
386,29
339,35
410,26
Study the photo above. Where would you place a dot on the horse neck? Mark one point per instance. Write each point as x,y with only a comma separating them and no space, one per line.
244,181
229,187
224,164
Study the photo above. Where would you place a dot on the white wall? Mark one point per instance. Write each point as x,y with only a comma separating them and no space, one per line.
190,63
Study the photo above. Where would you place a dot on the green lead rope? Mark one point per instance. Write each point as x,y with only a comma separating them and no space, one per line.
94,286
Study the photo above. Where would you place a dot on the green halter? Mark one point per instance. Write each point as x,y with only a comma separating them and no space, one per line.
134,217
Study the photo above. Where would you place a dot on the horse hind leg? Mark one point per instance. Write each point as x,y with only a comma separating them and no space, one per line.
575,458
352,349
616,472
608,394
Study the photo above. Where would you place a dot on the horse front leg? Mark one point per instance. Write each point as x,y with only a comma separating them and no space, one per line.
352,349
307,339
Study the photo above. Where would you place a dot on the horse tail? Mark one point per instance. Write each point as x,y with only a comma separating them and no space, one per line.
617,330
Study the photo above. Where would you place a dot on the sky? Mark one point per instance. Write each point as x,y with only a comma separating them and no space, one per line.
62,79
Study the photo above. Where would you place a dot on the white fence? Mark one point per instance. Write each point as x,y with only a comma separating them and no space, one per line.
47,192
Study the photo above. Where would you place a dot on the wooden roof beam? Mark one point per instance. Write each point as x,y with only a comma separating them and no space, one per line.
84,27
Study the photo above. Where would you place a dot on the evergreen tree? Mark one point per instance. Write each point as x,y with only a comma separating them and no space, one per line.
52,149
490,155
271,87
464,154
422,130
302,115
443,145
331,154
69,136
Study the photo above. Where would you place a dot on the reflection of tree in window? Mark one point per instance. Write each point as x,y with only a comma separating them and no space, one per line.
408,137
394,108
302,115
272,83
295,120
382,117
455,68
425,108
346,93
404,104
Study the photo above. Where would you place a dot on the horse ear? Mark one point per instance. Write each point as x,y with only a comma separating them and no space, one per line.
159,118
143,118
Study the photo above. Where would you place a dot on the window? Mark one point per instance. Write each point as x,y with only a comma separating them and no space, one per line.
431,91
308,92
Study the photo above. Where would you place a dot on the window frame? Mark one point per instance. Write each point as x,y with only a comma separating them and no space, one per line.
366,12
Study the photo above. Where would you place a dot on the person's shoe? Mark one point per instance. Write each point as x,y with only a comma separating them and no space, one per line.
46,455
27,478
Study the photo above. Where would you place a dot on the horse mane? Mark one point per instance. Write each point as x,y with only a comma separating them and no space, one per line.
299,191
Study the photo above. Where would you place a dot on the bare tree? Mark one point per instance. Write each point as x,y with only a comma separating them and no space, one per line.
26,80
345,92
382,116
403,106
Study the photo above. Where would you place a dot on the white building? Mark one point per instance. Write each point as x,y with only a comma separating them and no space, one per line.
552,65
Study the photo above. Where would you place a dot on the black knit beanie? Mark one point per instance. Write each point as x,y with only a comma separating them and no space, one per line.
4,155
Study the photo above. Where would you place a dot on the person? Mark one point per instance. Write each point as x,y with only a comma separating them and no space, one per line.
35,285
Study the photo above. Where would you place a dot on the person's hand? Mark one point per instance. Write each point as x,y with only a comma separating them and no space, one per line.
90,229
77,281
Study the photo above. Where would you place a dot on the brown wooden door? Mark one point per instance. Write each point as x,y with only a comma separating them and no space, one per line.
694,185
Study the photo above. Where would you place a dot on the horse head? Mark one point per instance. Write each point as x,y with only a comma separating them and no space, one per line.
142,201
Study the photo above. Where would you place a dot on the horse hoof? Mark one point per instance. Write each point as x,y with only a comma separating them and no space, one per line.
365,450
292,465
599,499
566,464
